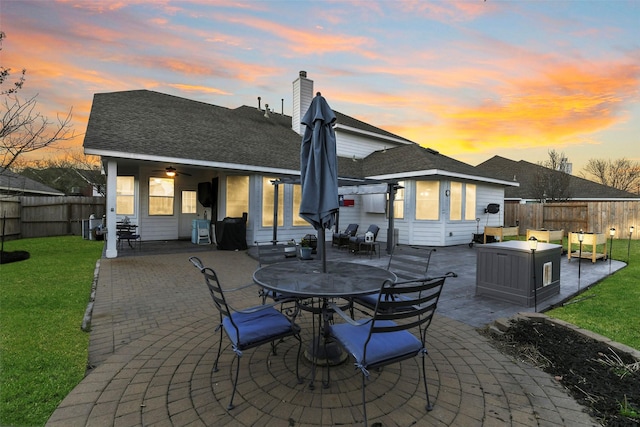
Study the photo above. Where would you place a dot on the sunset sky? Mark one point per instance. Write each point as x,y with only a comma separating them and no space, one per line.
471,79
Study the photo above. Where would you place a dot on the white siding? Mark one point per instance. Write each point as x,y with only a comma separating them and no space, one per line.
155,227
349,145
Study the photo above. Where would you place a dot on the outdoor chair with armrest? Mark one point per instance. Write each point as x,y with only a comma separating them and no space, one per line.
342,239
355,241
386,337
407,263
247,328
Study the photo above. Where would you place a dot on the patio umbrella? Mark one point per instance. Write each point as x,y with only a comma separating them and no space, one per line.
319,170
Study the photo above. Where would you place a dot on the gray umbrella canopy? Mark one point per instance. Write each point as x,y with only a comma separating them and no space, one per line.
319,170
319,166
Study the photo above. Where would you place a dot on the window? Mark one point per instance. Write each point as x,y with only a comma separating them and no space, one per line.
398,202
188,202
297,199
427,200
237,195
268,193
470,202
455,201
161,196
458,193
125,195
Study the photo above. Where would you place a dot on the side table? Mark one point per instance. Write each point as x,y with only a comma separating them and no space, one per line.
369,247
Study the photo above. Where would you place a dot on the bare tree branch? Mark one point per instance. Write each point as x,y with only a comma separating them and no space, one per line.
552,184
23,129
622,174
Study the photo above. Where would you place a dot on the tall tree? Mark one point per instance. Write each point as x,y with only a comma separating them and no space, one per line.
552,180
22,128
71,172
622,174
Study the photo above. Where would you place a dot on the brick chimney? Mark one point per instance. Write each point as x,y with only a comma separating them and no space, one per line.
302,97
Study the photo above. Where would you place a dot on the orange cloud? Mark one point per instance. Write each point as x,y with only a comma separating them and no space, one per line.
199,89
304,42
560,107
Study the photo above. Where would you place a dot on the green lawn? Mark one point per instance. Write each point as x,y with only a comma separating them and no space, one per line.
43,351
611,307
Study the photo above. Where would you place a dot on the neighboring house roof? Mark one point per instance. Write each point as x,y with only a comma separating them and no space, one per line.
66,179
13,183
525,173
147,125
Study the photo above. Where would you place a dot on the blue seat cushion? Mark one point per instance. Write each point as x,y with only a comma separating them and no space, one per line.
371,300
382,347
256,327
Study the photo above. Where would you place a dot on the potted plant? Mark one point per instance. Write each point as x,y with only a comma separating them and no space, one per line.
290,249
305,249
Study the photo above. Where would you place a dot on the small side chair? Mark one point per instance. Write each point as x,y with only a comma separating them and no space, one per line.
247,328
386,337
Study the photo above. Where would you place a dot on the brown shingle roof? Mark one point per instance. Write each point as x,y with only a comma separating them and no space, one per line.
143,123
525,173
13,183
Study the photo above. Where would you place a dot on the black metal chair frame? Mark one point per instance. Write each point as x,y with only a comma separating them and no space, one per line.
128,233
231,328
355,242
342,239
271,252
409,263
401,306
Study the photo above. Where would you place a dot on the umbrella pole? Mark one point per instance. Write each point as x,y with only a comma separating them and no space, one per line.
323,250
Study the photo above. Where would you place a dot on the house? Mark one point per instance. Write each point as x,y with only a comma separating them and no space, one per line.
70,180
541,184
172,160
13,184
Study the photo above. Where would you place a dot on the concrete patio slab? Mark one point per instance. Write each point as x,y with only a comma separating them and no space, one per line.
153,345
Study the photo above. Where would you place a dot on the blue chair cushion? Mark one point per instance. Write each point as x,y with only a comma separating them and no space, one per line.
382,346
371,300
256,327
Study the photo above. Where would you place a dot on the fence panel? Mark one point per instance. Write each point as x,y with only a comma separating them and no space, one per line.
50,216
596,217
10,217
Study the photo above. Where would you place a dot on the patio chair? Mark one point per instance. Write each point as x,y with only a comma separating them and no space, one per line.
342,239
385,338
407,263
247,328
355,241
203,232
272,252
127,232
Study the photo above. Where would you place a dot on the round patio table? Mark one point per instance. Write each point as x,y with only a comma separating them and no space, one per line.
305,279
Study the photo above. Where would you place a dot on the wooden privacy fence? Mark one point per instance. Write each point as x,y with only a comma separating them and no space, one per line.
47,216
596,217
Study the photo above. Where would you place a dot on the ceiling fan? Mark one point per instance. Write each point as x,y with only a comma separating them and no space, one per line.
170,171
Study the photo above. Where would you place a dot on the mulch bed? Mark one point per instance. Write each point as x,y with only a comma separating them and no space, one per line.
7,257
597,377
